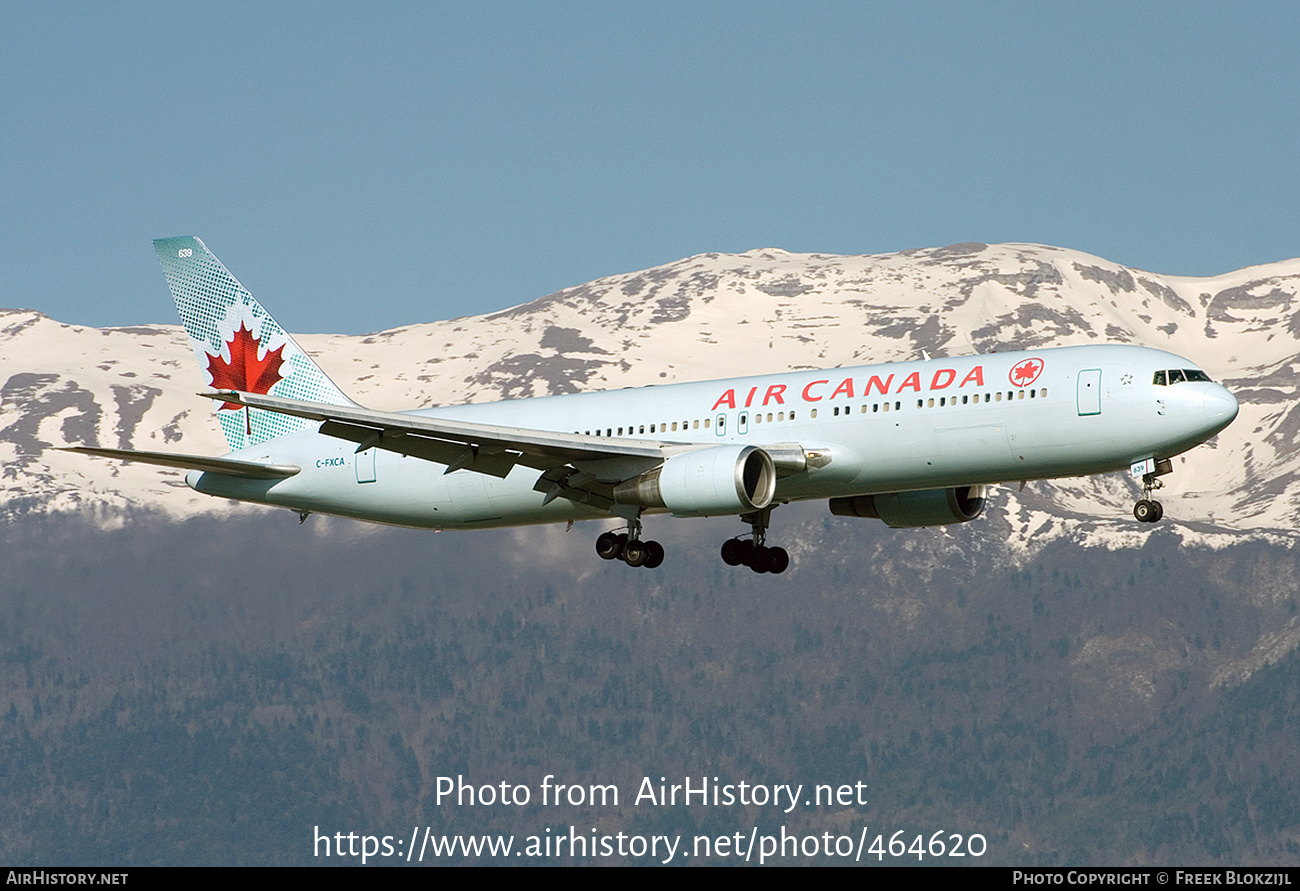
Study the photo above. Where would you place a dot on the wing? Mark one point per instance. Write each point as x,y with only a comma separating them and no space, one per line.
577,467
486,448
482,448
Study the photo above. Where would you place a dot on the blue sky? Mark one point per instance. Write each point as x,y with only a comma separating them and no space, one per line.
365,166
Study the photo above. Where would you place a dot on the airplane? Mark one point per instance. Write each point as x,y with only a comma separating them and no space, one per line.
913,444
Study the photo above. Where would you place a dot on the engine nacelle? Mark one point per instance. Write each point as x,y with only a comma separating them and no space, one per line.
712,482
928,507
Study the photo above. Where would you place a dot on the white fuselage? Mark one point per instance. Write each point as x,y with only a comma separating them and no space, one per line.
929,424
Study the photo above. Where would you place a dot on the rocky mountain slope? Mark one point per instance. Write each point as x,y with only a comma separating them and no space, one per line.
708,316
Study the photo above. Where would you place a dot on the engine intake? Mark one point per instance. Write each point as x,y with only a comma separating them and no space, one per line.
928,507
710,482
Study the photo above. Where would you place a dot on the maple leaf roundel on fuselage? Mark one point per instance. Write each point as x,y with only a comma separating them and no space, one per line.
245,372
1025,372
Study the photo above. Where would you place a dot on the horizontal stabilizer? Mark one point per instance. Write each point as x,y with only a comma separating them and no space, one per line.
227,466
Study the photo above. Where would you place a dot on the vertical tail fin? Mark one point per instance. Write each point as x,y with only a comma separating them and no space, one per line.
238,345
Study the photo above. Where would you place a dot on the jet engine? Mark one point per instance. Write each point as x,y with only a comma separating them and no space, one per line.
710,482
928,507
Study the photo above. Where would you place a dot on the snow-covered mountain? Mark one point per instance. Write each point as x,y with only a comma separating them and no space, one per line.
709,316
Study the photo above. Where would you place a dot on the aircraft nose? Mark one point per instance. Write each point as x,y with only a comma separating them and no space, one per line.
1220,407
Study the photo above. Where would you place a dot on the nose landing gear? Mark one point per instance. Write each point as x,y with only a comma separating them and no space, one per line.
1148,510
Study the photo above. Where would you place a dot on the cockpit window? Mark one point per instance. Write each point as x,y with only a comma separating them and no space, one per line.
1179,376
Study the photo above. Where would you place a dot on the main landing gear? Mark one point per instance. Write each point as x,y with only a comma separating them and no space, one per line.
754,552
628,547
1148,510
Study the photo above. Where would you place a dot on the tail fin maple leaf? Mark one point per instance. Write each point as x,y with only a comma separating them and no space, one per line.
245,372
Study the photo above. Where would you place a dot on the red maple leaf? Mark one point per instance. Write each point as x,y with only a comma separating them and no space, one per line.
1026,372
245,372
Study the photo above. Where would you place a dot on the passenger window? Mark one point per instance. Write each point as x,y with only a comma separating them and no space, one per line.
813,413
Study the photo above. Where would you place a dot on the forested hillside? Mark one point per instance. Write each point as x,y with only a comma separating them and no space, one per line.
211,691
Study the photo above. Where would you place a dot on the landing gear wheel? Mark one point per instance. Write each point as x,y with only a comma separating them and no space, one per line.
654,555
608,546
635,553
747,550
1147,511
754,552
734,551
1160,511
